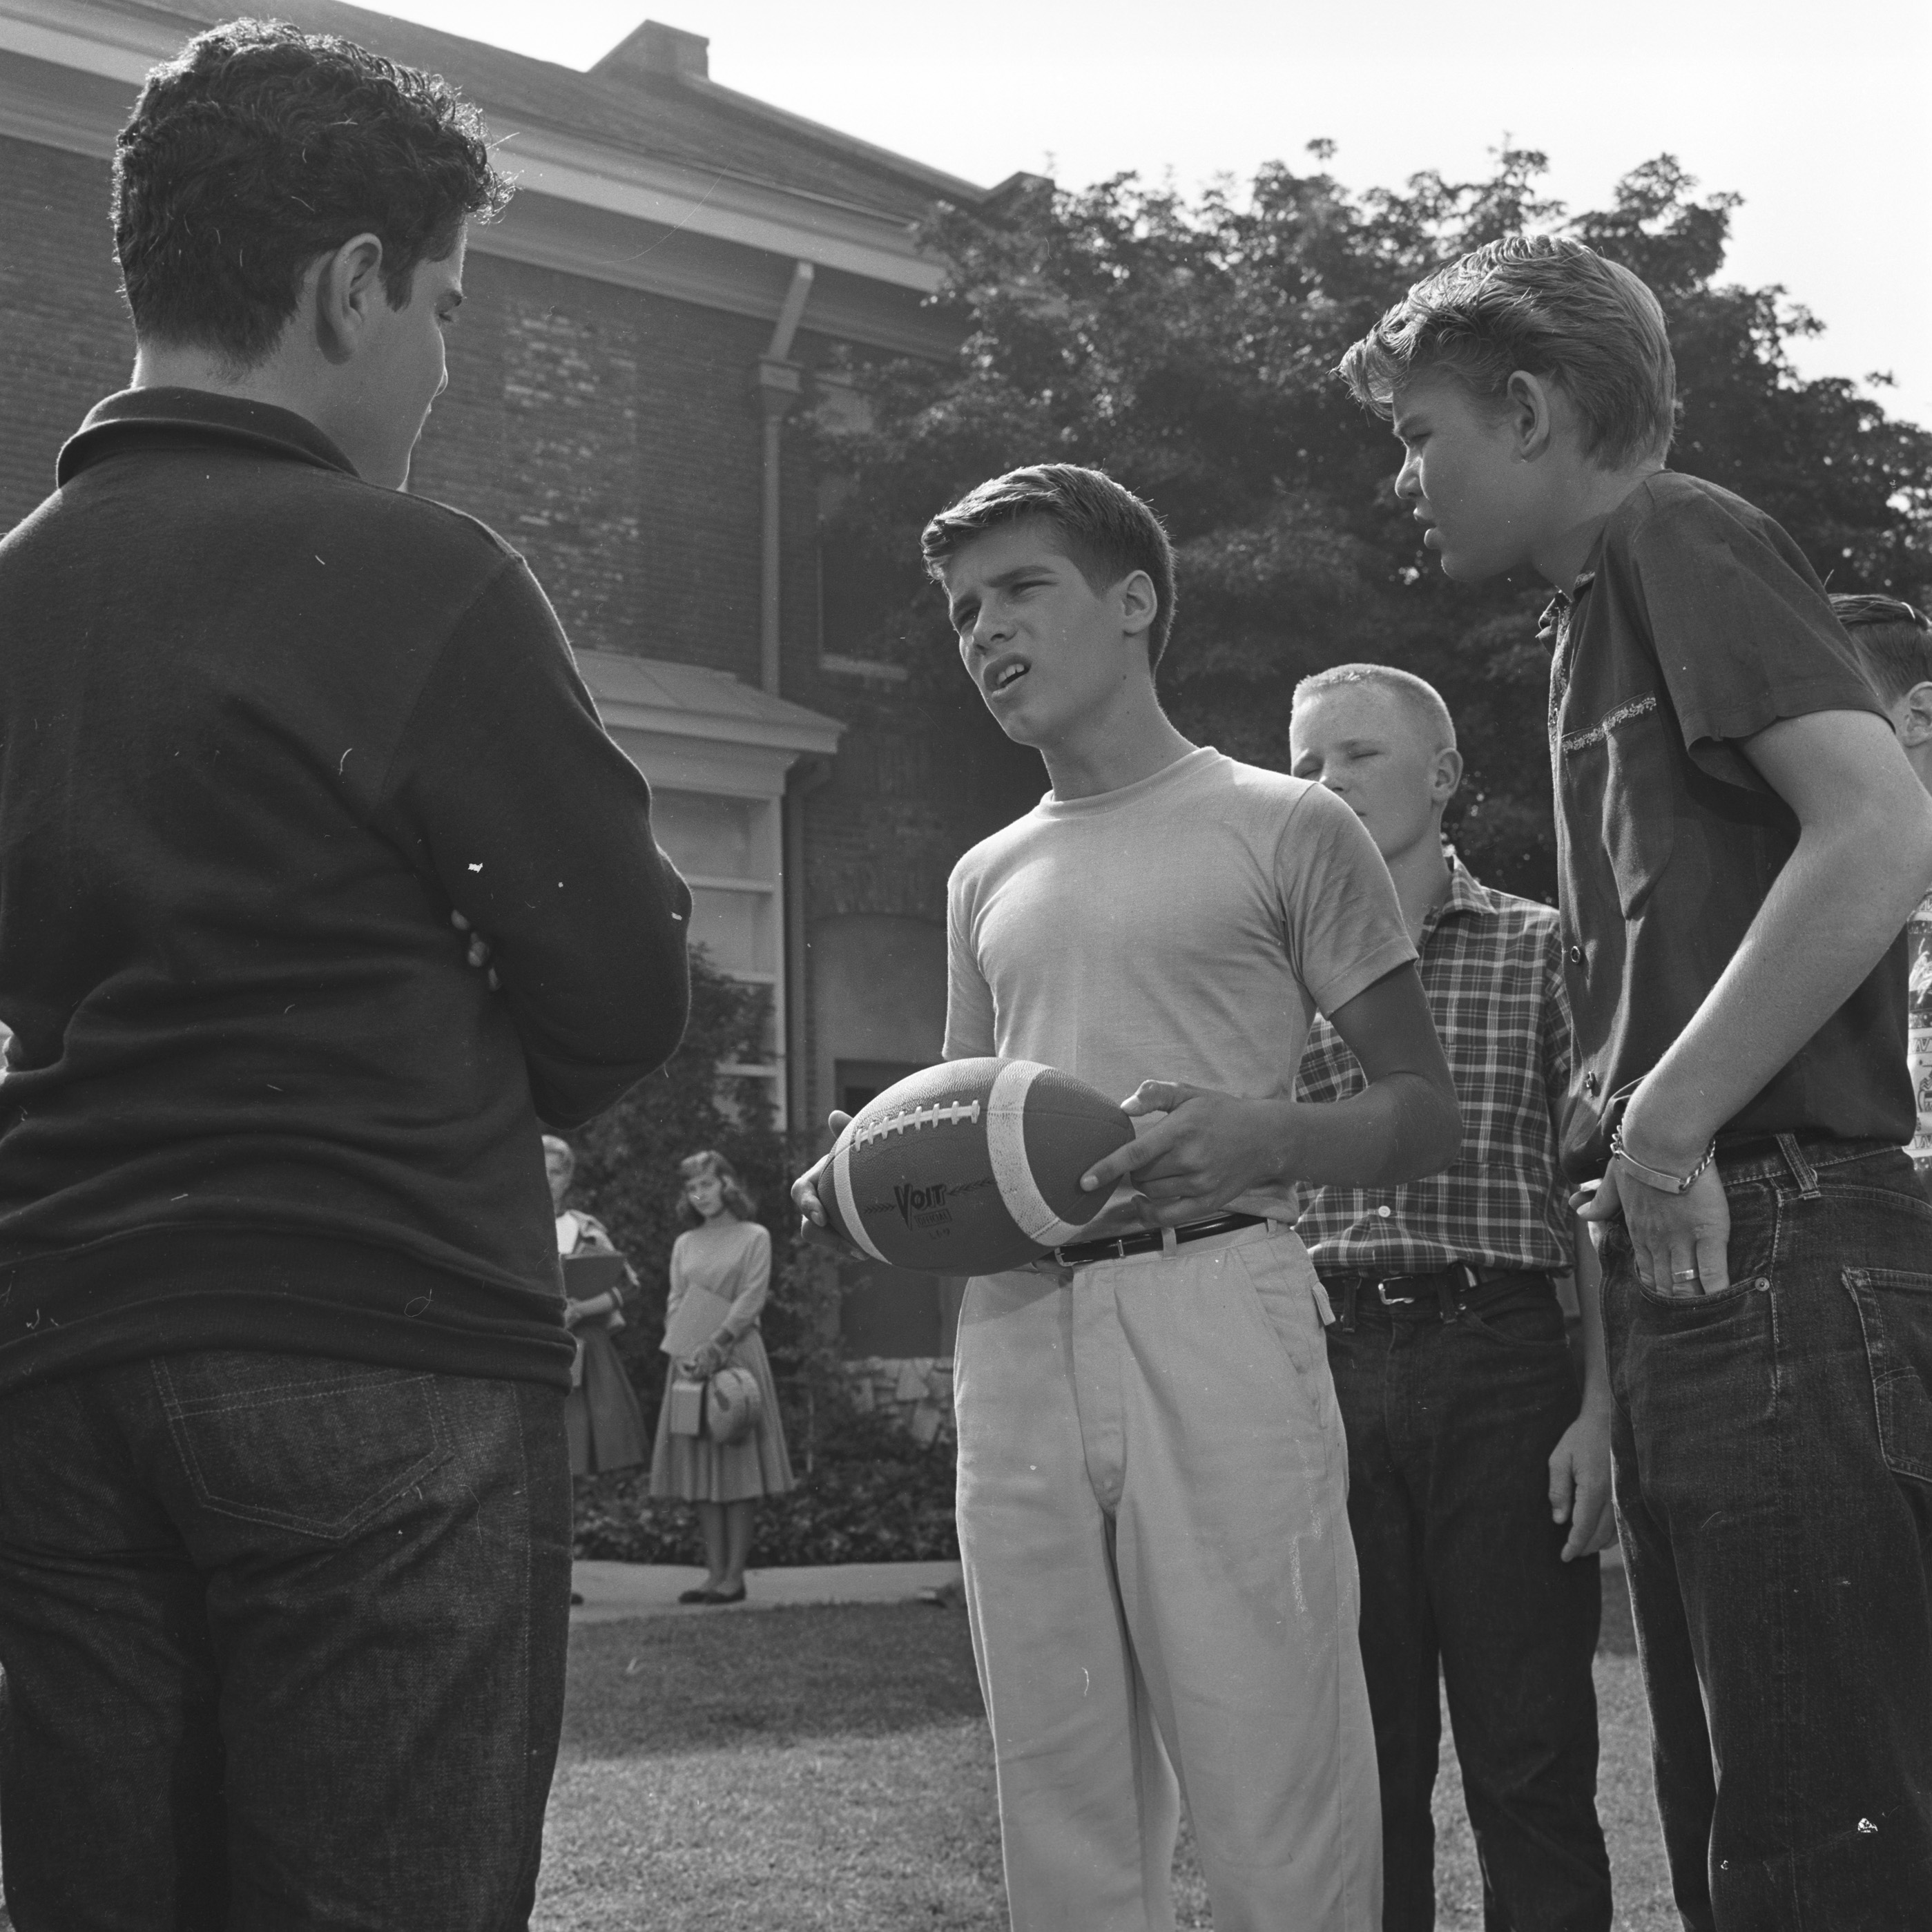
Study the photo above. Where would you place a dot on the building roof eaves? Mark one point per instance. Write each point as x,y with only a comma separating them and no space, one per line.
693,120
689,700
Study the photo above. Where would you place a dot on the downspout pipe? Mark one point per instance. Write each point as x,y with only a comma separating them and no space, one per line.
777,391
806,777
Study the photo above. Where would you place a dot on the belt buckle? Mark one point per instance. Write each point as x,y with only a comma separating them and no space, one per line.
1389,1300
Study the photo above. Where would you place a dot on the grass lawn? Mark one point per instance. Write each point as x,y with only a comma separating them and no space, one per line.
830,1768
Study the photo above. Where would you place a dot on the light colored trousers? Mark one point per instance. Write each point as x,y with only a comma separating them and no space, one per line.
1153,1513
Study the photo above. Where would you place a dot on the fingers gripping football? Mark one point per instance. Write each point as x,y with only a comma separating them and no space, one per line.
1207,1149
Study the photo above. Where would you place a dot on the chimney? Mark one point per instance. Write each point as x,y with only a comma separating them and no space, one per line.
657,52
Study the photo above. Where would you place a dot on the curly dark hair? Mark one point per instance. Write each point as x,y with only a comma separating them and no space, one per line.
259,147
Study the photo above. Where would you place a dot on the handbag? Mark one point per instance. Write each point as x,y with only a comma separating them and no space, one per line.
733,1404
686,1398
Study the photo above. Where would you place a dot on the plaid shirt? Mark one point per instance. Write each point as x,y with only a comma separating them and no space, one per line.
1492,966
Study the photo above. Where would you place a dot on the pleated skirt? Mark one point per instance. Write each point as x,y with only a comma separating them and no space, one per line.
694,1469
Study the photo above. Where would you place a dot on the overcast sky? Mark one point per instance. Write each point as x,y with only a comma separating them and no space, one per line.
1817,113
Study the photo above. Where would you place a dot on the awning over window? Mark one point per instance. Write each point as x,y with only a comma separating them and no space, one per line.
703,731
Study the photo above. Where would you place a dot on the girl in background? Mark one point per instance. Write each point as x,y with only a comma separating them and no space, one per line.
601,1416
720,1270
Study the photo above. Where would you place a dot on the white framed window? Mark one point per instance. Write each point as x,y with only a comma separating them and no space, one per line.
716,752
730,853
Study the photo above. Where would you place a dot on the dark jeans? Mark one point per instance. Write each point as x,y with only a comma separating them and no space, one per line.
1451,1425
283,1641
1774,1471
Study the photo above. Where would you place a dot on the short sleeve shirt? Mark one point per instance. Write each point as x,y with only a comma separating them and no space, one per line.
1187,927
1698,624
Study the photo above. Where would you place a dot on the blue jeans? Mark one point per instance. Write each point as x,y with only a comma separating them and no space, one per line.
283,1640
1450,1424
1773,1480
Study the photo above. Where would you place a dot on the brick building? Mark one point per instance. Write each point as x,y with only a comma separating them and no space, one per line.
671,288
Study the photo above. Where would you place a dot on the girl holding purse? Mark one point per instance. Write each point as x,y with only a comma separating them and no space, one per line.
720,1270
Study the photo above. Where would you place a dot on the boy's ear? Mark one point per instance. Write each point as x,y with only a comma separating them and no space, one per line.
348,284
1914,725
1530,404
1445,776
1140,604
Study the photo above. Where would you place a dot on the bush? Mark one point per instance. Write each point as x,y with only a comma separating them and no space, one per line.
882,1499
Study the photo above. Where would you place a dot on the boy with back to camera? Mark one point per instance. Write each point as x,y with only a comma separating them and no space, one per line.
1892,640
1739,840
1467,1431
284,1494
1152,1470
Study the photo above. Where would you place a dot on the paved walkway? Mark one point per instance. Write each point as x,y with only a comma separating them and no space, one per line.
613,1590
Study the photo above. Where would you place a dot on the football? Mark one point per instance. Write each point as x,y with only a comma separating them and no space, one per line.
972,1166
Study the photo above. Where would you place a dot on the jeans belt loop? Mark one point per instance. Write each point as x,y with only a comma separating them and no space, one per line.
1802,1171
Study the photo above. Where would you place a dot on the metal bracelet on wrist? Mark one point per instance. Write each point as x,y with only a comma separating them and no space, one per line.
1655,1176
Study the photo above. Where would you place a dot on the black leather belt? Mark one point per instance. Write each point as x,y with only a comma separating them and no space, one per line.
1081,1252
1440,1292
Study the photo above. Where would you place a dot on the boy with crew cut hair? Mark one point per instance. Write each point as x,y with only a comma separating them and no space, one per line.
1479,1476
1739,842
284,1489
1152,1470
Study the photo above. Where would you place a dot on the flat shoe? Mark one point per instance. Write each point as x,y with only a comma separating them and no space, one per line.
702,1595
736,1596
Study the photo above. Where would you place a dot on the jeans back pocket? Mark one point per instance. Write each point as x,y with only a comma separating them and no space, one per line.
1895,1312
297,1442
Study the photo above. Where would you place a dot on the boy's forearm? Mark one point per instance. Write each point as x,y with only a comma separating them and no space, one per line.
1842,898
1398,1128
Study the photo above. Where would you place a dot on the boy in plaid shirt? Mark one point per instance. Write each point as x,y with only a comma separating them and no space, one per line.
1466,1434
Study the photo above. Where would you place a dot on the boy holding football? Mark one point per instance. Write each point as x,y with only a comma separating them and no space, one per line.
1740,840
1152,1470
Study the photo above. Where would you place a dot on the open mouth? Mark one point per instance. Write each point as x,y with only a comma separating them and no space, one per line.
1007,676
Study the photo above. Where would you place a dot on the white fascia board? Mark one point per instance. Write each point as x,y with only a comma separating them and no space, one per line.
595,176
37,32
819,737
679,763
732,211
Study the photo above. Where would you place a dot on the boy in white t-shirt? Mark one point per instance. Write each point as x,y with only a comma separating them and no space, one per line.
1152,1470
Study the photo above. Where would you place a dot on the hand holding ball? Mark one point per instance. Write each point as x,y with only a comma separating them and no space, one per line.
971,1166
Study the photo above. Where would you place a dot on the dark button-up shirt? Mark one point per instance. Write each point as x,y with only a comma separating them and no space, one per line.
1698,624
1492,970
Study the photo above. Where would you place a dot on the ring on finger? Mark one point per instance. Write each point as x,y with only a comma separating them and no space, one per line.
1683,1274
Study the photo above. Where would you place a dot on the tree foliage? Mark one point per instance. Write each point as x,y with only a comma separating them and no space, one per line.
1185,345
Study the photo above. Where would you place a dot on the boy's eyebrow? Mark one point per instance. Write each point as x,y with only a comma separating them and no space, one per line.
1000,580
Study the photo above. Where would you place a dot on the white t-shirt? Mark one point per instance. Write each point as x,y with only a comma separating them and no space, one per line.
1186,927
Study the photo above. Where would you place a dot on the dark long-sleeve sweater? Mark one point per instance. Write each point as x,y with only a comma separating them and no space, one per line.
263,727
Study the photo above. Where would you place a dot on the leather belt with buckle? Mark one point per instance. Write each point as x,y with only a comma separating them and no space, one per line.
1083,1252
1460,1279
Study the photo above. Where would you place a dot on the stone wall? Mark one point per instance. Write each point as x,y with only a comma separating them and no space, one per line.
917,1391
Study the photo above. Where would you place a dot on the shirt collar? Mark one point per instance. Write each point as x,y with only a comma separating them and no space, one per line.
136,416
1468,894
1557,611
